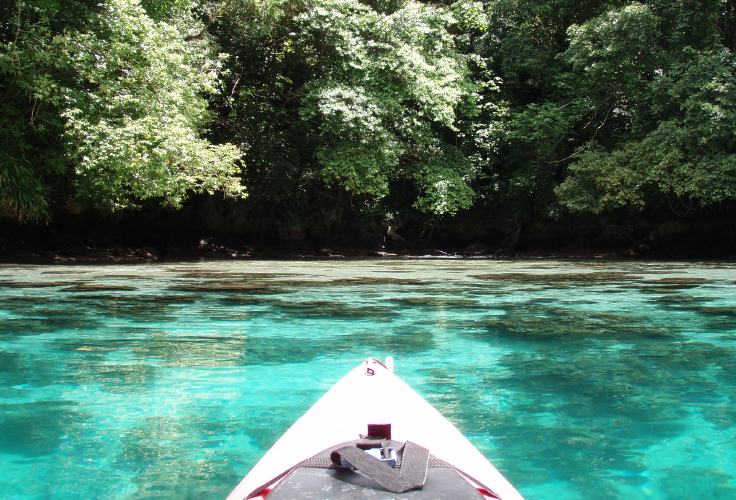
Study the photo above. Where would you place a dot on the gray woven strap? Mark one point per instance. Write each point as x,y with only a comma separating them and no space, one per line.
411,475
328,463
317,463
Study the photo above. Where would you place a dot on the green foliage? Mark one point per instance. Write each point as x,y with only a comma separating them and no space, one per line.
522,130
611,104
690,156
134,120
259,111
616,47
348,110
446,177
105,105
596,103
522,38
31,64
366,108
389,91
671,112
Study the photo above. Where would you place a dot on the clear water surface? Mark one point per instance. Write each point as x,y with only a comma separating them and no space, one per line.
577,380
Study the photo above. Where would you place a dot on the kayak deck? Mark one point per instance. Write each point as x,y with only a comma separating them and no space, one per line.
372,394
317,482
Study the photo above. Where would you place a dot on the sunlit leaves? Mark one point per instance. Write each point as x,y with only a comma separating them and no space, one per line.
618,42
445,176
690,156
134,121
389,83
104,104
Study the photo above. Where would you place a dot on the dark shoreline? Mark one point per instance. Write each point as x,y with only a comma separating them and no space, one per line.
24,254
91,237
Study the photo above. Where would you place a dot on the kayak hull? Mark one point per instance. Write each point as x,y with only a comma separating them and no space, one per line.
372,394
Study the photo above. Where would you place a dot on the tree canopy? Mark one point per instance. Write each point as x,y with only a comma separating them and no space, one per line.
330,112
111,106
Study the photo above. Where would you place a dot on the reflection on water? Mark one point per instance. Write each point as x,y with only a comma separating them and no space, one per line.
577,380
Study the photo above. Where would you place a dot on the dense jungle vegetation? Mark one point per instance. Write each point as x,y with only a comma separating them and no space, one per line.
318,118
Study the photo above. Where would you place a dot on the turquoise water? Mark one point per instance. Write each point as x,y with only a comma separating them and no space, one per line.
577,380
